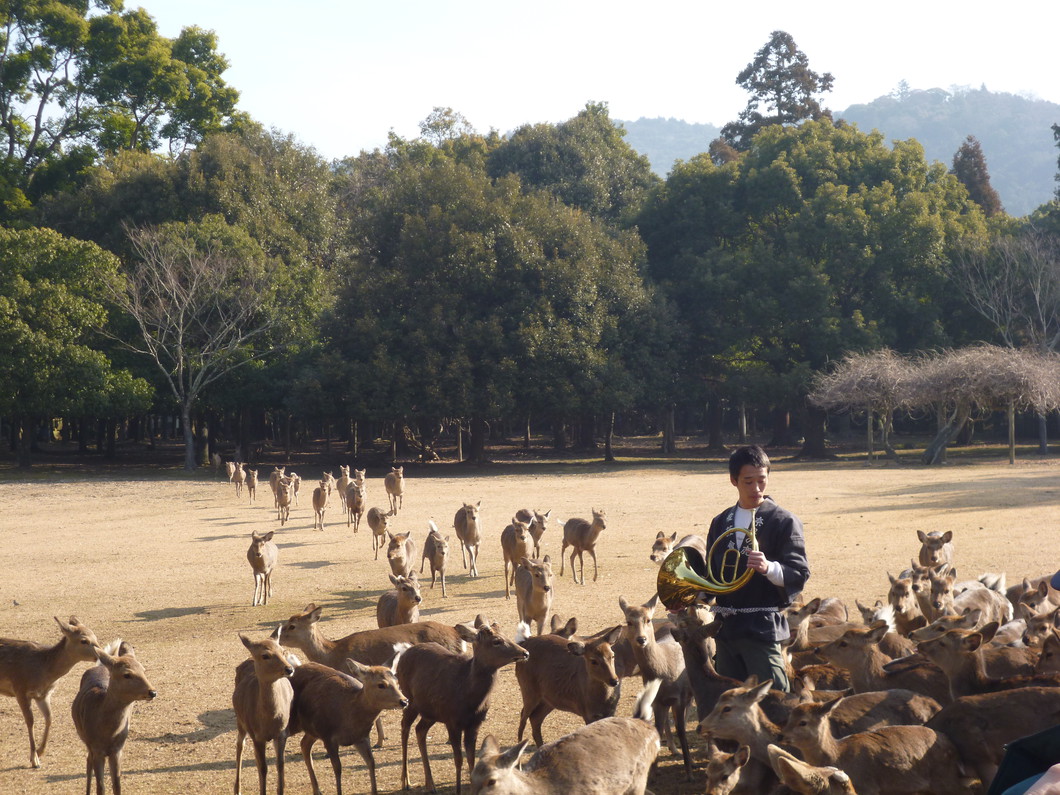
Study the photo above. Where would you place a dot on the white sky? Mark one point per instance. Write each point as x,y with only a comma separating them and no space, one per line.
340,75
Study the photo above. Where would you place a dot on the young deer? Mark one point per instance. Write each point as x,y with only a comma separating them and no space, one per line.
355,504
252,484
466,527
394,482
401,605
538,524
321,495
284,497
436,551
936,547
400,553
533,591
891,759
339,709
29,671
610,756
379,523
342,484
262,555
262,703
445,687
581,535
239,477
275,477
102,708
516,542
568,674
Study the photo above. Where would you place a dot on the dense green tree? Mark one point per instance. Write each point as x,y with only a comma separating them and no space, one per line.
52,304
782,88
585,162
969,166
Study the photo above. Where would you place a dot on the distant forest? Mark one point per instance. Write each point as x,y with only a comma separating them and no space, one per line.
1015,133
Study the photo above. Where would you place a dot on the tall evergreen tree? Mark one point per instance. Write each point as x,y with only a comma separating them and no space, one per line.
969,166
782,88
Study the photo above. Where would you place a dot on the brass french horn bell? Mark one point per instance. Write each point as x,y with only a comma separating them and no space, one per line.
679,584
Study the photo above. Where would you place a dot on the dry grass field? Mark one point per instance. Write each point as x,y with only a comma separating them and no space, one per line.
158,558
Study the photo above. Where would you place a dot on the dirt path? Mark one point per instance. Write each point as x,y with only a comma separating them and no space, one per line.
160,561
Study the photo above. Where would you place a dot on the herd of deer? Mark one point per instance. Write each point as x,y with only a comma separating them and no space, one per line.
920,696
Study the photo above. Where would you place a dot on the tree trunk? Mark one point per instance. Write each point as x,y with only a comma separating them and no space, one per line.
715,439
869,441
609,452
936,450
526,434
587,432
1011,413
1043,435
813,445
781,428
669,442
189,437
742,423
559,435
27,427
479,429
459,441
111,431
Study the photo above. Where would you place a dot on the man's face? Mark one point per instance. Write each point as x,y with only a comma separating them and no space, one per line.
751,483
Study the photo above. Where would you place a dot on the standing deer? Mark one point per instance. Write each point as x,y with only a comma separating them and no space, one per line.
355,504
29,671
262,703
262,556
275,477
538,524
436,550
466,525
394,482
342,484
102,707
533,591
252,484
320,502
239,477
516,542
284,497
445,687
379,523
401,605
581,535
401,553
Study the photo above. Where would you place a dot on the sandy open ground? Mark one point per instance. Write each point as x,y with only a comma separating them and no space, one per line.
159,560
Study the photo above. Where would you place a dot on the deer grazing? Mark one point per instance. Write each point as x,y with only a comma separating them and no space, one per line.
581,535
516,543
445,687
29,671
569,674
607,757
262,703
435,551
262,555
102,708
339,708
379,523
401,605
394,482
533,591
466,527
538,524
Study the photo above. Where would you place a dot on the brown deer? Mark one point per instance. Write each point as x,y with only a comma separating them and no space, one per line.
663,661
275,477
1032,590
102,708
908,613
581,535
807,779
538,524
355,504
379,523
948,600
516,543
936,547
466,527
533,591
29,671
1039,626
239,477
401,605
252,484
342,484
321,496
339,709
613,755
435,551
445,687
262,703
262,555
401,553
569,674
394,483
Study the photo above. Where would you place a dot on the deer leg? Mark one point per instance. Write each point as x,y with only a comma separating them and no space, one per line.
593,553
407,717
263,765
332,749
115,773
278,746
562,553
45,706
27,714
537,718
365,750
307,754
458,756
682,737
379,734
422,728
241,736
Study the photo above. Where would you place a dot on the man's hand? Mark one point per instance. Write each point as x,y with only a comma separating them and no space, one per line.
757,561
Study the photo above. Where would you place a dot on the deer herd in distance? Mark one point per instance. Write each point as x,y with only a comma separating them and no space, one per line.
918,695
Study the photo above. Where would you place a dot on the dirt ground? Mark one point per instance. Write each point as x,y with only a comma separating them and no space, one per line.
158,558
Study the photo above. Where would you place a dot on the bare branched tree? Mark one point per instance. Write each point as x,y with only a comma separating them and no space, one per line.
199,310
871,382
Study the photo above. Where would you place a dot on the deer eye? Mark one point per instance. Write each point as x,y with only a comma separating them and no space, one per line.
127,675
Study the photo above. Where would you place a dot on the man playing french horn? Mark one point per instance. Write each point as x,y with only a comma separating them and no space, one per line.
773,560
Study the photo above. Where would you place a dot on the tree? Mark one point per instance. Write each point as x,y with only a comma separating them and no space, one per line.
782,88
202,297
969,166
52,293
444,124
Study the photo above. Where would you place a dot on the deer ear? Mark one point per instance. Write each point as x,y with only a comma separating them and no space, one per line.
510,758
246,641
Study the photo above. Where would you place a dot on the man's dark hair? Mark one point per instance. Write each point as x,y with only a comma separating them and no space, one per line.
748,454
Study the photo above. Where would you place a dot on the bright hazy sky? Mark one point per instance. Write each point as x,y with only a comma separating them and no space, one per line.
339,75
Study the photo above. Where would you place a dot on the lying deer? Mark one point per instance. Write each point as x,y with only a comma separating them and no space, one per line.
29,671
